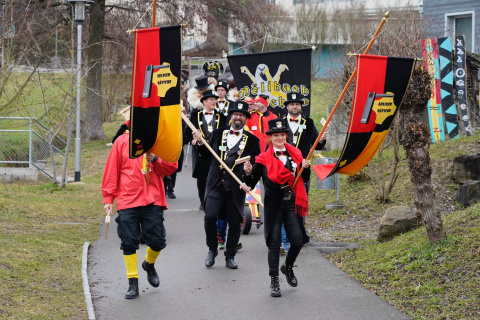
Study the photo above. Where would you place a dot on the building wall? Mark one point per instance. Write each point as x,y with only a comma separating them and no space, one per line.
435,12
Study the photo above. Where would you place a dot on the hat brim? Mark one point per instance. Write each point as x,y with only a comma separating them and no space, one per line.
291,101
218,86
245,112
201,88
269,132
203,98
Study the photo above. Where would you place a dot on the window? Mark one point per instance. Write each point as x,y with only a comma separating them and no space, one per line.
461,23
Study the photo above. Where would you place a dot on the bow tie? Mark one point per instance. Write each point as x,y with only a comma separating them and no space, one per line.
221,101
294,120
208,113
280,153
237,133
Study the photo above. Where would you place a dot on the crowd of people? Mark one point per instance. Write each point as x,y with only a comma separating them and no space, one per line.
234,129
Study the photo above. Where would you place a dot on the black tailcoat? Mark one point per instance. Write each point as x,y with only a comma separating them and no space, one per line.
202,162
218,175
228,105
305,136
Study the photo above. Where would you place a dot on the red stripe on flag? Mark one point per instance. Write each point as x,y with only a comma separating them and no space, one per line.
369,64
149,42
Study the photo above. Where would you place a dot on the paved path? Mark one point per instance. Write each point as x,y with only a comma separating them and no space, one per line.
188,290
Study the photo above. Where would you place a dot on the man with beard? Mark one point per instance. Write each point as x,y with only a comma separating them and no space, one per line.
206,120
223,194
302,131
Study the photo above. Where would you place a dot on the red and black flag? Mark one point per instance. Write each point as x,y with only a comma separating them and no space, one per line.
274,74
379,89
155,121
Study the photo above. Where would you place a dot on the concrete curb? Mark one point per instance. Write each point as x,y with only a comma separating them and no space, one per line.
86,286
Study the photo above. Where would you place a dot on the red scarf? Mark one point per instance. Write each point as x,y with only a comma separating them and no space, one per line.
278,174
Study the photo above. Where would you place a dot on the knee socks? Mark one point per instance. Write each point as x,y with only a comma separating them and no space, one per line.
131,265
151,255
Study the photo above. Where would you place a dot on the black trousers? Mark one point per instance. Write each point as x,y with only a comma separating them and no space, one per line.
217,203
293,227
151,219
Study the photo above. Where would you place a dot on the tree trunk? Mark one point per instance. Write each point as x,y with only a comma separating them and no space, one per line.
93,129
416,142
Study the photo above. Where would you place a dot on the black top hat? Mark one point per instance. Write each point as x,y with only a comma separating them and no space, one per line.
221,84
277,125
293,97
207,94
239,106
202,82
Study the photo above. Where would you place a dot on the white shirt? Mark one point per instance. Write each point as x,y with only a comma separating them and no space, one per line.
233,139
282,158
294,125
208,117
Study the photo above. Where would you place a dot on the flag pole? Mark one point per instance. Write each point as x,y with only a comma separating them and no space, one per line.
387,14
187,121
154,11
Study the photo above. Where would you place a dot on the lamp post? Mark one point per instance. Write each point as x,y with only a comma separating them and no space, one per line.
79,6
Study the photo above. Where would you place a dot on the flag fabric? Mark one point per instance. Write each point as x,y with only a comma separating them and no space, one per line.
155,121
274,74
381,83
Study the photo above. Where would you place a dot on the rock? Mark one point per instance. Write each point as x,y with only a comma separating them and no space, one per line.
469,193
466,167
396,220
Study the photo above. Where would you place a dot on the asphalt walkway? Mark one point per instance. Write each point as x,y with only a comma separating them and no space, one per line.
189,290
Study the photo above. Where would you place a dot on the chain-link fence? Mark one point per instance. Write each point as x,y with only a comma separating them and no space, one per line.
25,142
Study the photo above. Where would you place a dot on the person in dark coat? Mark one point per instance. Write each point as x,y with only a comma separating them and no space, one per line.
223,194
302,134
278,167
206,121
302,131
223,104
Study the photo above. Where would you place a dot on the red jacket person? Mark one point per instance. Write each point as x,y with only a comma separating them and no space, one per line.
138,205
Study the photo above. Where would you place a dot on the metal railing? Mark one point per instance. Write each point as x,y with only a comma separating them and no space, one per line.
26,142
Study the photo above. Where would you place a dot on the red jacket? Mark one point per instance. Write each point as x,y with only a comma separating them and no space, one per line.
125,180
258,125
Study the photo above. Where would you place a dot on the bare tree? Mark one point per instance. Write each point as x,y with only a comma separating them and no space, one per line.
416,142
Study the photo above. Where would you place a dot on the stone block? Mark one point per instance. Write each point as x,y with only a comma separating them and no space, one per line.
466,167
469,193
396,220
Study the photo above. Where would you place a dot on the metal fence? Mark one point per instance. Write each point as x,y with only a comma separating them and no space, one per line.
25,142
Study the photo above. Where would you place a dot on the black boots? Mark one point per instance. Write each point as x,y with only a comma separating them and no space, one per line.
288,272
152,275
275,286
132,292
230,264
210,260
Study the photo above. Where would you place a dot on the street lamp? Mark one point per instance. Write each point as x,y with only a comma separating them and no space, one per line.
79,18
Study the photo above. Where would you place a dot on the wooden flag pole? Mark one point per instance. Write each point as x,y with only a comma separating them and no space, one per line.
187,121
387,14
154,13
154,18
